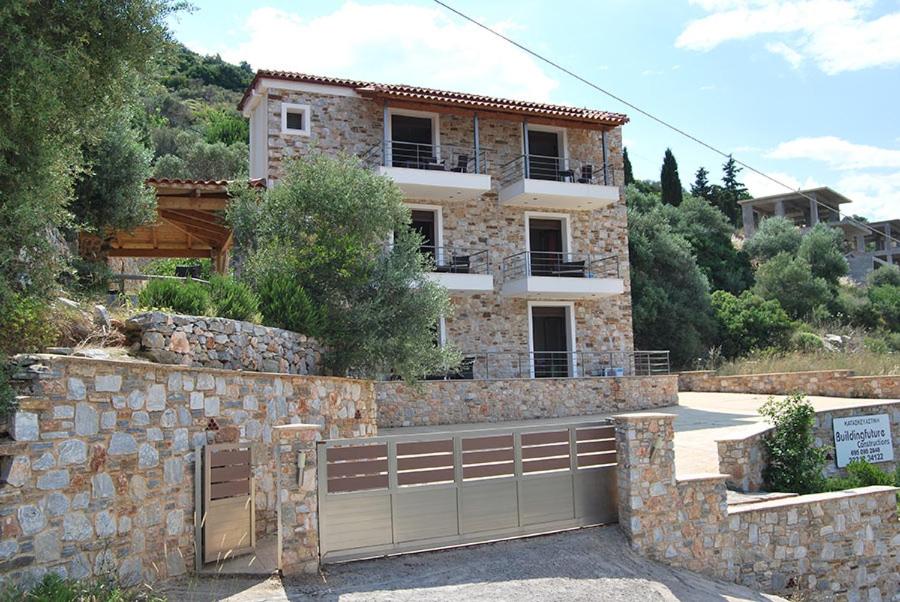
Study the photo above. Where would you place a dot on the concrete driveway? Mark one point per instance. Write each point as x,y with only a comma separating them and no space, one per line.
703,418
589,564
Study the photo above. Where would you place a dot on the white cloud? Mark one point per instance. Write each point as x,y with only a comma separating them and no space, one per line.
835,34
837,153
762,186
393,43
876,196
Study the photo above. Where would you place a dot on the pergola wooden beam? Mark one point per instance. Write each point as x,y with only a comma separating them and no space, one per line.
179,252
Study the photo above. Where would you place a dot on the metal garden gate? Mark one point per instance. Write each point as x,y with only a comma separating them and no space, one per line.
229,514
408,493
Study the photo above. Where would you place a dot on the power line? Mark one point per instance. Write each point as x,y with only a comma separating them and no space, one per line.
659,120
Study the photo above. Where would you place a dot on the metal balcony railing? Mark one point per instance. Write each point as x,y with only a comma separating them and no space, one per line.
498,365
555,169
560,265
415,155
457,260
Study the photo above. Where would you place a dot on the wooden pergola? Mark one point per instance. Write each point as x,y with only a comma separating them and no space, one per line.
190,223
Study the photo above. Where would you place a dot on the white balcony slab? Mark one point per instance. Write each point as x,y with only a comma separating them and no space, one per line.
464,283
436,185
549,194
551,287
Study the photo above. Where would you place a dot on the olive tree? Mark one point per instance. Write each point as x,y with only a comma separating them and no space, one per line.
330,252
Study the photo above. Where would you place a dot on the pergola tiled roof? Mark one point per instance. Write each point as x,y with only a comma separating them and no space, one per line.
445,98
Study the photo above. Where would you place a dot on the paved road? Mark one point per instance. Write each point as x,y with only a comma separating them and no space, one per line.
703,418
590,564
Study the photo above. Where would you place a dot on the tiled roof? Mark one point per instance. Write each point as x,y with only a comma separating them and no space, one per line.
182,182
446,98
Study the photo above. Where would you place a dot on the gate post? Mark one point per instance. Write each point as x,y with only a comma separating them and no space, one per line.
297,495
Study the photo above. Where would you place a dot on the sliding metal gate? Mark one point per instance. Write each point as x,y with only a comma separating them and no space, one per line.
407,493
229,513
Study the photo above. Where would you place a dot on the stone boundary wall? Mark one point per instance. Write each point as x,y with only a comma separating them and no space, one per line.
99,475
430,403
744,458
829,383
202,341
832,546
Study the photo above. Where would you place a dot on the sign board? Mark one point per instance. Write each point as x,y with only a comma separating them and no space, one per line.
863,438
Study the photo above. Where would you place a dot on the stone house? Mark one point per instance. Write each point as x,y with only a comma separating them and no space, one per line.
520,204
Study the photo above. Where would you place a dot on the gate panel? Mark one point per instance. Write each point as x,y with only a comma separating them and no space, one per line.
402,493
229,513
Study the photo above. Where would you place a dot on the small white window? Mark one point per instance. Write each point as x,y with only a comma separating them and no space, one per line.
295,119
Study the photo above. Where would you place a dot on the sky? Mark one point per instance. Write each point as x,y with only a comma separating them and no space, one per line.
807,91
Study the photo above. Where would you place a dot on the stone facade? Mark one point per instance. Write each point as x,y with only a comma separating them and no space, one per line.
99,475
833,546
744,458
202,341
298,506
485,322
469,401
831,383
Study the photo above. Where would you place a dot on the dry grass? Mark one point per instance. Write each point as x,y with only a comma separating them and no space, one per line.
861,362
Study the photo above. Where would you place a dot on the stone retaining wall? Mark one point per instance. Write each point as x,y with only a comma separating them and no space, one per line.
221,343
99,475
830,383
832,546
744,458
467,401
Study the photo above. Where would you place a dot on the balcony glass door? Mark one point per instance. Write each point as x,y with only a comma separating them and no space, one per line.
424,223
545,241
550,342
544,156
412,142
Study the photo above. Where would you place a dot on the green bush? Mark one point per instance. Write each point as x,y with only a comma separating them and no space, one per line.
807,342
775,235
862,474
790,280
232,299
884,302
884,275
794,462
26,326
822,249
183,297
283,303
166,267
748,322
54,588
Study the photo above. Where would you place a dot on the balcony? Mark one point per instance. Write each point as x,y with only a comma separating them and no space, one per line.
498,365
432,172
556,182
461,270
552,275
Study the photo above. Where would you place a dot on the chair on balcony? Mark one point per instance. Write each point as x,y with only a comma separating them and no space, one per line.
460,264
462,164
566,175
587,174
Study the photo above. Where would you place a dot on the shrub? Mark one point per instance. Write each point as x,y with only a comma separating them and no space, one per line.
821,248
884,303
794,462
775,235
862,474
749,322
26,326
886,274
183,297
807,342
285,304
166,267
790,280
53,588
232,299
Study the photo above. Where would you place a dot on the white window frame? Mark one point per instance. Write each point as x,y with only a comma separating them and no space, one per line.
563,138
438,227
570,333
287,107
442,332
435,129
566,227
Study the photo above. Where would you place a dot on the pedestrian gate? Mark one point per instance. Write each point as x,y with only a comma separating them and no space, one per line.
407,493
229,521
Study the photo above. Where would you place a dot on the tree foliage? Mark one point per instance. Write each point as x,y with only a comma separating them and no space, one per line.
324,229
732,190
701,188
885,274
670,295
821,247
794,463
749,323
629,173
790,281
775,235
672,193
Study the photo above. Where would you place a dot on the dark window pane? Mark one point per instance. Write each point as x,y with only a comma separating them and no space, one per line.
295,120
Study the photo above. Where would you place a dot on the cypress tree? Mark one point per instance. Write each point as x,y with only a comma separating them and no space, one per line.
629,174
701,188
669,180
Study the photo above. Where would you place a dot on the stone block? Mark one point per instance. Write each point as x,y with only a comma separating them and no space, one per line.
148,457
102,486
76,389
72,451
77,527
53,479
121,444
87,420
108,383
24,426
47,546
31,519
156,398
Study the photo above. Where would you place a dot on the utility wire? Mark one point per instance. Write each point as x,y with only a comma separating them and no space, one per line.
659,120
